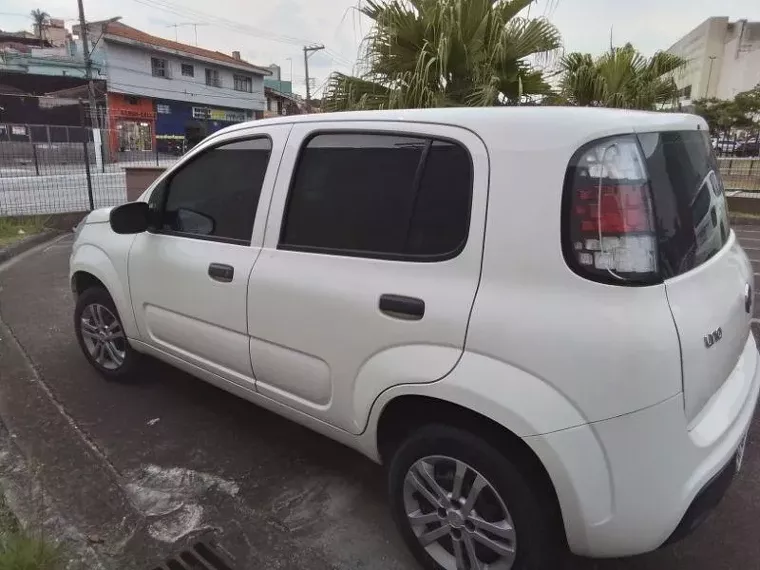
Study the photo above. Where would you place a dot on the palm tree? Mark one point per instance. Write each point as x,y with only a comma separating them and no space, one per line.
40,18
435,53
621,78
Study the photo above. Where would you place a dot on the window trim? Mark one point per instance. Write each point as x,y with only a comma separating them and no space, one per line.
166,183
418,258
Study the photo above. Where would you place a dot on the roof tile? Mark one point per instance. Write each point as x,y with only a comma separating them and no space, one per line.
124,31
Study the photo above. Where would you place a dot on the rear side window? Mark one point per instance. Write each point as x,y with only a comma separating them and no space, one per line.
379,195
690,207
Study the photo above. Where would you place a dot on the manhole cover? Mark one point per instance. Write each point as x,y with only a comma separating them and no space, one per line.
202,555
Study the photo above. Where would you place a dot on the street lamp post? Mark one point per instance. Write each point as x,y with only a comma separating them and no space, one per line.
709,75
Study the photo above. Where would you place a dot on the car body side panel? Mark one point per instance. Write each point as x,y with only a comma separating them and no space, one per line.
609,350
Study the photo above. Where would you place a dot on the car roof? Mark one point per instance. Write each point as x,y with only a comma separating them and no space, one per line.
573,121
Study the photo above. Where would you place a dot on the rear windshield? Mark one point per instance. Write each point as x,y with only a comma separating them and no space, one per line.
689,203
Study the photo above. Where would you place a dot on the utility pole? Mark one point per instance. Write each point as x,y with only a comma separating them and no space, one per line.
88,67
307,52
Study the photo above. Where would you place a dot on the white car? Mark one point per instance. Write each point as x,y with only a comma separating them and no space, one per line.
506,307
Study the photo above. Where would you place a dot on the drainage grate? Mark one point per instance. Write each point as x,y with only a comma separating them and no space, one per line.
205,555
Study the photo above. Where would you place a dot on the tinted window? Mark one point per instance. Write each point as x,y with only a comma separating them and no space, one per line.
690,208
379,195
216,194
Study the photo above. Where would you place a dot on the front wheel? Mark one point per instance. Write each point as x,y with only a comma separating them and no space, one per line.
101,335
460,504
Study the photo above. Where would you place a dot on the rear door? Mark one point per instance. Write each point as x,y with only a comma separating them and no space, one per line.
370,264
708,278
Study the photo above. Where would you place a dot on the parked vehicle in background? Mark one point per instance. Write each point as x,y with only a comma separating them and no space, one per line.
725,146
536,358
749,148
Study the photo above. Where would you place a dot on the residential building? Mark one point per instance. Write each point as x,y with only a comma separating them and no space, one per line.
723,59
54,32
162,91
42,84
279,104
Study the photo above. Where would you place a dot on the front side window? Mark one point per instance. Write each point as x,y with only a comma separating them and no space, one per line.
379,195
215,195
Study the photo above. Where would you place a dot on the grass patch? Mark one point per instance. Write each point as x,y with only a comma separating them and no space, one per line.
21,549
13,229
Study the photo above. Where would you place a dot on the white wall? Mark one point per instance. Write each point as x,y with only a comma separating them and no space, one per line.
129,71
741,63
698,47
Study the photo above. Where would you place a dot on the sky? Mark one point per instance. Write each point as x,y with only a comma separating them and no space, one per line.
271,31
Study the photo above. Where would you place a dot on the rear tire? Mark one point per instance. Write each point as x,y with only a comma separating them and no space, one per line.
510,523
101,335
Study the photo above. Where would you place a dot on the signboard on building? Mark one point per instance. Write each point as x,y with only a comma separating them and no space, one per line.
219,114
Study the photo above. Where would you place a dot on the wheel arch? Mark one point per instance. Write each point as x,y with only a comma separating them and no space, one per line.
82,280
91,266
403,414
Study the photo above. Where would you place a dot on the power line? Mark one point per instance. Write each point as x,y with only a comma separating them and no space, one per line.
170,7
167,6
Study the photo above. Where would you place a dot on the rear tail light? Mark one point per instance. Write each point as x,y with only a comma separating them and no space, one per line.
610,228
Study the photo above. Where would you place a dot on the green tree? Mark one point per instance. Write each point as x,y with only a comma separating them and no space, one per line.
621,78
437,53
40,18
743,112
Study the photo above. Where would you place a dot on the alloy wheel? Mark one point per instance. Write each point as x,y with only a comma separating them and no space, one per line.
457,516
103,336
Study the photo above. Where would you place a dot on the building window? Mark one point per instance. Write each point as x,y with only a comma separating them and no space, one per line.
159,67
188,70
134,136
243,83
212,78
163,109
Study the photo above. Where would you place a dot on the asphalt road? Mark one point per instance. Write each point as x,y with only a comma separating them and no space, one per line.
276,494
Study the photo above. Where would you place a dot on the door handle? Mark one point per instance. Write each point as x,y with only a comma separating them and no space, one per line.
221,272
402,307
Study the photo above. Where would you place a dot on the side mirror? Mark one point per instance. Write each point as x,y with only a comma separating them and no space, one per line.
131,218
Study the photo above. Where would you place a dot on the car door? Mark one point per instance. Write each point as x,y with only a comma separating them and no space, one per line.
188,276
370,264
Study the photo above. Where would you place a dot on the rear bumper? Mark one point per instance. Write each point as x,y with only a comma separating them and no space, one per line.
705,502
626,484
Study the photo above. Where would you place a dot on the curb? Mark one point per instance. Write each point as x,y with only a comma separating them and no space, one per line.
27,243
739,220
